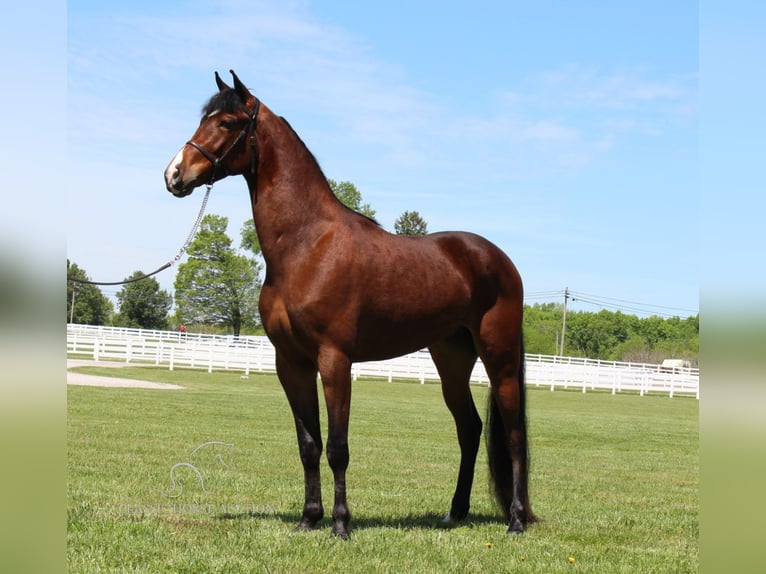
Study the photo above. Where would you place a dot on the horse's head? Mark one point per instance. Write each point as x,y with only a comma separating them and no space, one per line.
224,143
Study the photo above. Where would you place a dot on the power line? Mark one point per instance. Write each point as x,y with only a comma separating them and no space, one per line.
623,301
611,303
605,305
543,294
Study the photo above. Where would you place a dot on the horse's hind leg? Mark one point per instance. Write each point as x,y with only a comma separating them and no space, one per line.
454,358
300,385
501,349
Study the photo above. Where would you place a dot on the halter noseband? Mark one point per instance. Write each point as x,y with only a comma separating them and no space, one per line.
248,130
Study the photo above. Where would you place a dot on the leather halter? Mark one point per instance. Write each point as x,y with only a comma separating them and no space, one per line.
218,164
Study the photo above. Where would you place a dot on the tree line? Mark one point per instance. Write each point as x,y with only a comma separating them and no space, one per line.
610,335
217,290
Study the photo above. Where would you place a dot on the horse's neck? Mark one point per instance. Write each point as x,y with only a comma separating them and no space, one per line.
293,201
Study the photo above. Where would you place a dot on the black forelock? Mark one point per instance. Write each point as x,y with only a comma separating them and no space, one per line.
228,101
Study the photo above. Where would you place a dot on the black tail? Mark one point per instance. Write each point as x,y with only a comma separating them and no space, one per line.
499,447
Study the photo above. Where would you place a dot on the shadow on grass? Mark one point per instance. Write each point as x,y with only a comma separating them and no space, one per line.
428,521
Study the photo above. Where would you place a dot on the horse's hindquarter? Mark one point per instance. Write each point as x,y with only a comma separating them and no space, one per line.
379,295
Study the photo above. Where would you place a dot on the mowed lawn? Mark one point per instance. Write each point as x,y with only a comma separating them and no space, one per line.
614,479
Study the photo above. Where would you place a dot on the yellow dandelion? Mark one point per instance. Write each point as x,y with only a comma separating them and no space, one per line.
522,558
571,559
488,545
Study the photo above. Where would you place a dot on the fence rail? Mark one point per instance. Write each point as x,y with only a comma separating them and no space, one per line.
257,354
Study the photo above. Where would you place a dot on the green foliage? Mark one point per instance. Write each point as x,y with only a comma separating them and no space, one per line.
249,238
542,328
217,286
351,197
91,307
610,335
595,334
615,480
410,223
143,304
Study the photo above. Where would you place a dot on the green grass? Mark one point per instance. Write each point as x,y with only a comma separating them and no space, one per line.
614,479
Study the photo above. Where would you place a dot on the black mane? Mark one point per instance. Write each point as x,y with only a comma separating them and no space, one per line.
228,101
319,167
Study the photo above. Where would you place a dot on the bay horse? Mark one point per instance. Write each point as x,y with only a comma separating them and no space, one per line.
340,289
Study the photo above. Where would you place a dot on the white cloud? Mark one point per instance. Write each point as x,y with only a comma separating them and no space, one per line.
550,131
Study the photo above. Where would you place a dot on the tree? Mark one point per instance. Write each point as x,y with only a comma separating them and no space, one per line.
410,223
217,286
595,335
542,328
91,307
611,335
351,197
143,304
249,238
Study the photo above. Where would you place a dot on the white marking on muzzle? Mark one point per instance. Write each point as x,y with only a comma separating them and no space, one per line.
172,172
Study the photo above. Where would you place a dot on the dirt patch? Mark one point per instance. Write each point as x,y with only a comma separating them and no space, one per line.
101,381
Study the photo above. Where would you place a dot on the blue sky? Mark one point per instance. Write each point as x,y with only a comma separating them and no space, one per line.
567,133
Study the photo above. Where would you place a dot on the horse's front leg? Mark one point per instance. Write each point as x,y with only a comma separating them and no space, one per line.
300,385
335,369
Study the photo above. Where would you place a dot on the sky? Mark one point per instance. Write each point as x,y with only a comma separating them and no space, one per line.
565,132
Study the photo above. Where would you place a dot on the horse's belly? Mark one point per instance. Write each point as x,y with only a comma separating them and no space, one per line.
392,336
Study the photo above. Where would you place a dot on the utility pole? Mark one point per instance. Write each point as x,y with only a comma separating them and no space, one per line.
71,309
564,322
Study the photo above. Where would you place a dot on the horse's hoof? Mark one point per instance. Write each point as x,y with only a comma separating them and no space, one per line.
516,527
340,531
305,526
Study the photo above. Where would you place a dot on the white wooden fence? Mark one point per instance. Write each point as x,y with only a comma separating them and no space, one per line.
251,353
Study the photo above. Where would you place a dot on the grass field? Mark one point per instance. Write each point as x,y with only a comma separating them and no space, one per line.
614,479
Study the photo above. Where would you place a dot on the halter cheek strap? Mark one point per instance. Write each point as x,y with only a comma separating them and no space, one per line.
248,130
208,156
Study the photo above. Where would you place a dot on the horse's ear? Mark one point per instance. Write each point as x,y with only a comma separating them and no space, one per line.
240,88
220,83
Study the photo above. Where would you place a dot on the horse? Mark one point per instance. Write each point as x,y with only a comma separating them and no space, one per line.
340,289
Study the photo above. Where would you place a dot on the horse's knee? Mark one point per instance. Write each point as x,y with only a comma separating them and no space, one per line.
310,451
338,455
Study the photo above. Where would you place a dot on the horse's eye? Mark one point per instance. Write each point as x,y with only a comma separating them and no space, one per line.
226,124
